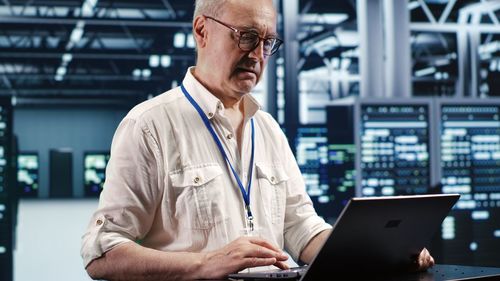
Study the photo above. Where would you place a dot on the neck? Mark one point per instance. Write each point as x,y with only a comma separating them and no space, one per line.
230,101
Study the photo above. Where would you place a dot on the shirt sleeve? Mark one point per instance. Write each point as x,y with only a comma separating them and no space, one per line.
131,191
301,220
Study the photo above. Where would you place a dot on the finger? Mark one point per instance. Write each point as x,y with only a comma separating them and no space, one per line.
263,243
266,245
424,262
281,265
255,262
262,252
426,252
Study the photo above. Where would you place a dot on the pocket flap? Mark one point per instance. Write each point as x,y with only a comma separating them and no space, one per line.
195,175
273,173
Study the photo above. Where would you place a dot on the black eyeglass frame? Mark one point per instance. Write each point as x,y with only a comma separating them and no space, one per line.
240,33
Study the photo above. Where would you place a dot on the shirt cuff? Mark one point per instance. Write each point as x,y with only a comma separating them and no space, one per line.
311,227
97,241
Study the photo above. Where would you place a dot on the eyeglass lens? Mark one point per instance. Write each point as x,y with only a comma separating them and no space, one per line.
250,40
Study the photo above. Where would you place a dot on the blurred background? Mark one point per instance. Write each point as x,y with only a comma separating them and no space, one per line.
376,97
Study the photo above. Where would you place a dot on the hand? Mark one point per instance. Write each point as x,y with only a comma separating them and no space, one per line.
423,261
244,252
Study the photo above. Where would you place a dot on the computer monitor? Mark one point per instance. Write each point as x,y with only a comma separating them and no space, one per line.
95,172
8,198
393,140
469,161
27,174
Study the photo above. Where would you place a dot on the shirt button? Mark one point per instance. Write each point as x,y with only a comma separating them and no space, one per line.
273,179
196,180
219,107
210,114
98,222
229,136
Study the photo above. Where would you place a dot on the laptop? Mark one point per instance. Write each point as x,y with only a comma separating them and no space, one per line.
372,235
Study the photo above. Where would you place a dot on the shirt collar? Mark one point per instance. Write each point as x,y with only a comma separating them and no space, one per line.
209,103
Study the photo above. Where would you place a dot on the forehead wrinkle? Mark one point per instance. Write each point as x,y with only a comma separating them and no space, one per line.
252,16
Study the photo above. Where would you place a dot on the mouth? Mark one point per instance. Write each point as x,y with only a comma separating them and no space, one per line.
246,71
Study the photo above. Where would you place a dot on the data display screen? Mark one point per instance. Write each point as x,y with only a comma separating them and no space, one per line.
27,174
95,173
317,158
8,198
394,149
470,166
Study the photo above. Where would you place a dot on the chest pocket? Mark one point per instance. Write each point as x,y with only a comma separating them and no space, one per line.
272,183
199,195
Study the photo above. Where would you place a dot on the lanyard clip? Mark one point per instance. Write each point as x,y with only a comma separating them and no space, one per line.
250,224
249,218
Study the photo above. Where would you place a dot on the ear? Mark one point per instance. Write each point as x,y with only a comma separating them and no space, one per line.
200,31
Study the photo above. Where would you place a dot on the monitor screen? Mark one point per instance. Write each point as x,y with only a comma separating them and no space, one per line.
27,174
95,172
394,149
312,157
470,165
327,165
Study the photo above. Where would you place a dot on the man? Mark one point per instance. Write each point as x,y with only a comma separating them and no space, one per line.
198,175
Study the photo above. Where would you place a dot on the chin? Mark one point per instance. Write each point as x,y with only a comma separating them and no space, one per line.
245,87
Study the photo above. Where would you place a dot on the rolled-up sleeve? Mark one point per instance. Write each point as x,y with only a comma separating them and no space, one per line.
301,220
131,192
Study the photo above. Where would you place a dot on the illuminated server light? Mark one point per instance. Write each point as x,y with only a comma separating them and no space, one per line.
180,40
466,204
448,228
154,61
425,71
396,125
368,191
480,215
473,246
323,199
475,124
141,73
166,61
387,191
190,41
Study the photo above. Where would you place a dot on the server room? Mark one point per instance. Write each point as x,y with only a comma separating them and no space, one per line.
375,99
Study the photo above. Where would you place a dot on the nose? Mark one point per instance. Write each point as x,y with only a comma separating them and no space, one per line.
258,52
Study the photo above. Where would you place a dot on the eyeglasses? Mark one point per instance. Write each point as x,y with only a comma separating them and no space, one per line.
249,40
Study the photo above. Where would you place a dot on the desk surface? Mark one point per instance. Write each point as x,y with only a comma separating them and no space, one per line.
441,272
455,272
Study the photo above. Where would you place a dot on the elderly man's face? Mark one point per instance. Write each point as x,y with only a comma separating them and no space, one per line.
234,70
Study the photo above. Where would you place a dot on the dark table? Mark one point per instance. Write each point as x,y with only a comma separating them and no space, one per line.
439,272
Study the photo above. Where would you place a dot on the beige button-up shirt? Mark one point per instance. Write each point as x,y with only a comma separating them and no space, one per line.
169,188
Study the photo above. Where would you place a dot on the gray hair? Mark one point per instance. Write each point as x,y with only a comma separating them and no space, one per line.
208,7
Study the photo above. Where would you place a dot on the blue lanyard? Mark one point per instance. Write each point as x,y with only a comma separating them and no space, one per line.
246,194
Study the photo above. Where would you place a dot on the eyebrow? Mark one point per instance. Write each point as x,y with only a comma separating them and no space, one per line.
248,28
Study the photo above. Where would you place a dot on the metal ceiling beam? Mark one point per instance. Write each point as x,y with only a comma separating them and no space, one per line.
397,51
7,3
169,8
81,77
454,27
74,92
427,11
87,56
80,101
371,48
8,83
102,22
447,11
